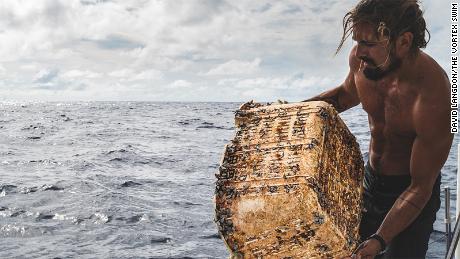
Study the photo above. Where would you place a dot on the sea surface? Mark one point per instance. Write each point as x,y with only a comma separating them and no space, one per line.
125,179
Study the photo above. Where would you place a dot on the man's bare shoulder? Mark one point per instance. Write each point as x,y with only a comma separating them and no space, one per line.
433,100
431,79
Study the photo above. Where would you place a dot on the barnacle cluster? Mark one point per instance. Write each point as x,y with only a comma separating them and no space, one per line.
290,183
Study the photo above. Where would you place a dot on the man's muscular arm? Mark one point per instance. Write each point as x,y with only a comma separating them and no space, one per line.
344,96
337,97
429,153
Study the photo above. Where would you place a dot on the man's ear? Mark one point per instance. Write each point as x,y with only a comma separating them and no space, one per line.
404,43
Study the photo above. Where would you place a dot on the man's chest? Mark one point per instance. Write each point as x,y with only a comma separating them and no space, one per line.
388,104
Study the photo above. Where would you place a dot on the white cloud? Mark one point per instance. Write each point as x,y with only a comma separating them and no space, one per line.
122,73
284,83
2,70
295,87
46,75
29,67
236,67
151,74
127,74
180,84
75,73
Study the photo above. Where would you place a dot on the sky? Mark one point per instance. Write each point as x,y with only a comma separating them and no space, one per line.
181,50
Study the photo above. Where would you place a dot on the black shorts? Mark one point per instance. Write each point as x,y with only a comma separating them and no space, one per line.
380,193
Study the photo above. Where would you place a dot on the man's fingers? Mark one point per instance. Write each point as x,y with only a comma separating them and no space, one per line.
363,254
282,101
360,246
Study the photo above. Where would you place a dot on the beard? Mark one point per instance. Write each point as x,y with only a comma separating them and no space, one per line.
376,73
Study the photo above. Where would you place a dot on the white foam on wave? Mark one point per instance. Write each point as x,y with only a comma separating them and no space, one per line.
12,230
64,217
144,217
5,213
100,218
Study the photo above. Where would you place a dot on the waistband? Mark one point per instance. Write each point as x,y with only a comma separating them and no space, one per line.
391,185
381,191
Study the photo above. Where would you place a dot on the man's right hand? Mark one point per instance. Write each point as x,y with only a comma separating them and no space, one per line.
282,101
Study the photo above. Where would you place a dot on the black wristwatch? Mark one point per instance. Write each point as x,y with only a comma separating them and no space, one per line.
383,245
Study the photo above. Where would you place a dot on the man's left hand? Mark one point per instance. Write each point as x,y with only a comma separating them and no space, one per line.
366,250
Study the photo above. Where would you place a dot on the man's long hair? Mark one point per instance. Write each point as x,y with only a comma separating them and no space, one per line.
390,18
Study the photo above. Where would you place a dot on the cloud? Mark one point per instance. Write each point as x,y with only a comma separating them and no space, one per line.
2,70
45,76
180,84
294,82
117,42
291,9
151,74
294,87
75,73
265,7
93,2
127,74
236,67
52,79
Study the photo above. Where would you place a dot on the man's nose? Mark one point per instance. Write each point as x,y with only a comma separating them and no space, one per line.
360,51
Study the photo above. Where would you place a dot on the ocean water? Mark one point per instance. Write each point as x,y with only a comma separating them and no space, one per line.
124,179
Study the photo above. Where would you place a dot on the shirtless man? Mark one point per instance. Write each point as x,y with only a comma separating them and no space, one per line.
406,95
